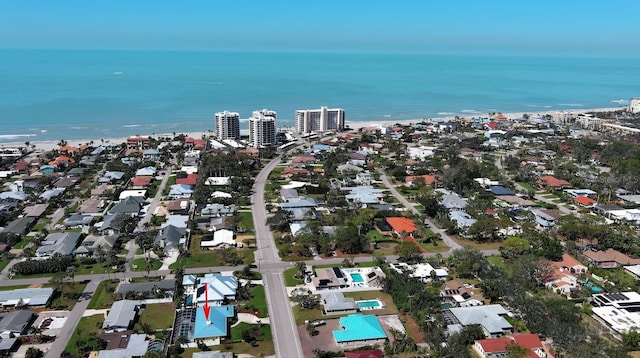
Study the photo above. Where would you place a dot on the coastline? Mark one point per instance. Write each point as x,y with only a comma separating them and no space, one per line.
47,145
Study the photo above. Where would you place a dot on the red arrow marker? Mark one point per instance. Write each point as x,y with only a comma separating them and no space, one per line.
206,307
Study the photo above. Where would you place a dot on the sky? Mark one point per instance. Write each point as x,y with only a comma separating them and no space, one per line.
581,27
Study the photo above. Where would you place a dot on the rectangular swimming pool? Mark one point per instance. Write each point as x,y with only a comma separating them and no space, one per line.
356,277
368,304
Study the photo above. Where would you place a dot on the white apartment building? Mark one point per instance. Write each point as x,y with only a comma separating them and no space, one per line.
319,120
262,128
634,105
228,125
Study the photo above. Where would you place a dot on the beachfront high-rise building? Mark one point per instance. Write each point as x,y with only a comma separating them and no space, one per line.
228,125
262,128
319,120
634,105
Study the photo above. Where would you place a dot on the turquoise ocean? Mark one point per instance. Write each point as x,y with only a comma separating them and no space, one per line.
93,94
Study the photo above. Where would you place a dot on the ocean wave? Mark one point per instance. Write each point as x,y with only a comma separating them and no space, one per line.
571,104
44,131
444,113
619,101
131,125
79,127
538,106
387,115
469,111
15,136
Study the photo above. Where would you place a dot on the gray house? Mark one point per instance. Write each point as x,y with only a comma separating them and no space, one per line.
170,238
121,316
91,243
63,243
78,220
335,302
15,323
131,206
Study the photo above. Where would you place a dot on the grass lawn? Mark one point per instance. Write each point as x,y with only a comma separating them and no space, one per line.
22,243
72,291
390,307
103,296
14,287
42,223
4,261
433,247
246,220
302,315
375,236
289,277
93,269
496,261
140,264
206,258
258,301
527,186
236,332
86,326
479,246
386,248
159,316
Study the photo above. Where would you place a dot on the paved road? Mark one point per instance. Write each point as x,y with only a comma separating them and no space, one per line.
446,238
133,247
283,327
70,325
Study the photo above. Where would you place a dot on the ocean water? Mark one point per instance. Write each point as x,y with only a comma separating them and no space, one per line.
82,94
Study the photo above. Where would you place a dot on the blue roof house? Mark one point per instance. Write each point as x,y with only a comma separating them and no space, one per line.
500,190
217,326
359,329
463,219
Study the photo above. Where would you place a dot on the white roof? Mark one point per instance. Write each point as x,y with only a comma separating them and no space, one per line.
294,185
127,193
220,237
619,320
189,169
220,194
634,269
217,181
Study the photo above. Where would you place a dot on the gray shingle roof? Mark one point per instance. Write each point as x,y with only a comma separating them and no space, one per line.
16,322
121,315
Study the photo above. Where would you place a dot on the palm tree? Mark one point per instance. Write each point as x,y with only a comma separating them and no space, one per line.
302,269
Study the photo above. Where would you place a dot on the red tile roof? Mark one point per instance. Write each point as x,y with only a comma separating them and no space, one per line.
554,182
528,341
583,200
494,345
400,224
428,179
372,353
141,181
191,179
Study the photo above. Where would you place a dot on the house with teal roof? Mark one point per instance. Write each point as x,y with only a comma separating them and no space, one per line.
359,329
217,326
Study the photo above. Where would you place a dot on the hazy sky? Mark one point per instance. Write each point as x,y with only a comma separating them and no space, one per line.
474,26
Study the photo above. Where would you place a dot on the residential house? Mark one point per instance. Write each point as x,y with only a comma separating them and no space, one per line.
563,279
218,289
335,302
78,221
35,210
63,243
178,207
190,179
146,172
363,195
151,154
92,244
130,205
140,182
459,294
178,191
452,201
111,177
489,317
214,328
425,272
585,201
462,219
369,353
358,329
497,347
124,344
402,226
620,311
550,182
327,278
412,180
171,238
149,289
217,181
545,217
217,210
66,182
20,226
610,258
220,238
51,193
300,202
122,315
31,297
15,323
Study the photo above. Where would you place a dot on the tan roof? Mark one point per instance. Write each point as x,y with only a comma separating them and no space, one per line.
611,255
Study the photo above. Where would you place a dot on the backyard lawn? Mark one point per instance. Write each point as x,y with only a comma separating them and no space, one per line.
258,301
86,326
140,264
158,316
103,296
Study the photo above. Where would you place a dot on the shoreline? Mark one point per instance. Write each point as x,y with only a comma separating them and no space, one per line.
48,145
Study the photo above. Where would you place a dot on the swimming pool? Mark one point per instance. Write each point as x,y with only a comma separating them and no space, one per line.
370,305
592,287
356,277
